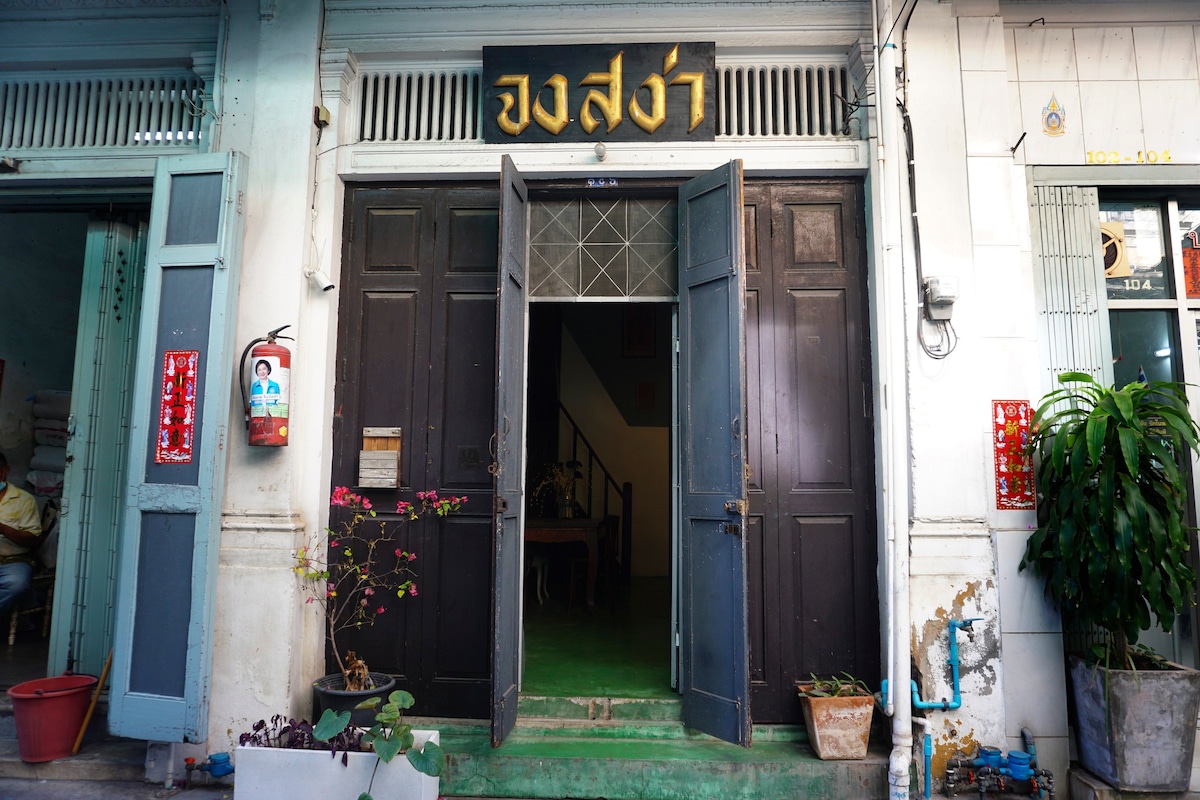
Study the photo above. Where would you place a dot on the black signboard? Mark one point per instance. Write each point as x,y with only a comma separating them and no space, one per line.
600,92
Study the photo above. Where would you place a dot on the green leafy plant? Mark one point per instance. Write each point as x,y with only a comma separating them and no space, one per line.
845,686
388,737
1112,540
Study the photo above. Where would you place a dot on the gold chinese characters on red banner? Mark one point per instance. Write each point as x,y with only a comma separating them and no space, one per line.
1191,264
177,407
1014,467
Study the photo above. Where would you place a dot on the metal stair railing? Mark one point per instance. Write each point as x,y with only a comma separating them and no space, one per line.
608,487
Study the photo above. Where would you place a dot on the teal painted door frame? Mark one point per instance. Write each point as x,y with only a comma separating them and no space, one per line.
162,660
97,451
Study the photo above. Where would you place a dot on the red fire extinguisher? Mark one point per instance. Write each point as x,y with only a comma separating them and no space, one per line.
265,402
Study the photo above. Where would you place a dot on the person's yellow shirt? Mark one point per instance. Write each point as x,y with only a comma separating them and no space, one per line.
18,510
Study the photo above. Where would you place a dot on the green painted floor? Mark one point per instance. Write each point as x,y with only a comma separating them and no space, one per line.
598,718
622,650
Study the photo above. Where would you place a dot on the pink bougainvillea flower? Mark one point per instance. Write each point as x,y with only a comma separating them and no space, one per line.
368,591
413,590
379,610
412,556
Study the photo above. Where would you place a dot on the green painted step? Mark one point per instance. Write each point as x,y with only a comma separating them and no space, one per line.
695,768
601,708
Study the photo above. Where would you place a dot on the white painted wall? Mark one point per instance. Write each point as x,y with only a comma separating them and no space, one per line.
637,454
973,226
268,645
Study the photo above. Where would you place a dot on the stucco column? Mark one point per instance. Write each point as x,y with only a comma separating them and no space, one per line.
267,643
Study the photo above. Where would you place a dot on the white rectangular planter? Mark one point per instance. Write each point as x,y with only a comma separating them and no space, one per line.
275,773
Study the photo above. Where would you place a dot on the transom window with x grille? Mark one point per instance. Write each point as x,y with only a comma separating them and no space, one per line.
605,247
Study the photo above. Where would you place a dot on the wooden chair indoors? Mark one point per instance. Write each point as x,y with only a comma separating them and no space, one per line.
606,572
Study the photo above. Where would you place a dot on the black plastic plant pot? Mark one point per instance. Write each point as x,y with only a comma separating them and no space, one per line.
331,692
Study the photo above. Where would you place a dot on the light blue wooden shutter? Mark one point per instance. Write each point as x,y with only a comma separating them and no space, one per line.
163,645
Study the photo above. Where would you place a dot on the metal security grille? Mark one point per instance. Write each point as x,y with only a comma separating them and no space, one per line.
603,247
1068,275
66,112
771,101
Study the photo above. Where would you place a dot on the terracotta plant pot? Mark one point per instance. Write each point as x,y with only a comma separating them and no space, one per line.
838,727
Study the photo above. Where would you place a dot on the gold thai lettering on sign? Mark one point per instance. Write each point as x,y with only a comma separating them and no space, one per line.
521,102
658,96
605,100
610,105
558,120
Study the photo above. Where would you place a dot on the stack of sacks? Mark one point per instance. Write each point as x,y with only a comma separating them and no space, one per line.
51,409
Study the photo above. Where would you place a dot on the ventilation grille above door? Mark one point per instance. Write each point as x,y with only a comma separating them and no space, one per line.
783,102
76,112
792,101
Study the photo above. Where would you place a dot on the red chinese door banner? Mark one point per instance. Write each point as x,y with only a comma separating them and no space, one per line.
177,415
1014,469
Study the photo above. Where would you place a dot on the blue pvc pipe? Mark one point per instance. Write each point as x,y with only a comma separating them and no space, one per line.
947,705
928,765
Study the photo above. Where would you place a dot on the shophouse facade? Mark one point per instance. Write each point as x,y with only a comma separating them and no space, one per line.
820,468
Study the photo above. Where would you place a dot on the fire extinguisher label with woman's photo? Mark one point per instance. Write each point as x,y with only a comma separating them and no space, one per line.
270,368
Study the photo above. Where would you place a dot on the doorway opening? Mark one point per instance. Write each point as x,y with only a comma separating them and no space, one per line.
69,332
598,450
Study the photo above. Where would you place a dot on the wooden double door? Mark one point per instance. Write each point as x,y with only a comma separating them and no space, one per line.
417,350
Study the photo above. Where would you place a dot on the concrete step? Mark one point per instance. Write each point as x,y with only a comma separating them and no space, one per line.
601,708
696,767
101,757
119,760
1086,786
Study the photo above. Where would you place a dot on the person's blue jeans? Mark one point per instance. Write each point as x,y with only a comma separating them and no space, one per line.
14,579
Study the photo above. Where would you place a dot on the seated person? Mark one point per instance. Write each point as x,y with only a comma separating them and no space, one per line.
20,527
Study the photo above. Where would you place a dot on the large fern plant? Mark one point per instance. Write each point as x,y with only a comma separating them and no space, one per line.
1113,540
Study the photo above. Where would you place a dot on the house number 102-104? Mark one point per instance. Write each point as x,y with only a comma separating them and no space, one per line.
1142,157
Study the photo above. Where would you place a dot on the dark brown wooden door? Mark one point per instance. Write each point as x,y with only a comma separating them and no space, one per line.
417,350
812,544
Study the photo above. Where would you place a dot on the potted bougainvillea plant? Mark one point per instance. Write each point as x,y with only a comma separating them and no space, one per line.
355,571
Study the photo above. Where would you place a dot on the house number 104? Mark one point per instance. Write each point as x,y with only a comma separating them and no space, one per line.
1142,157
